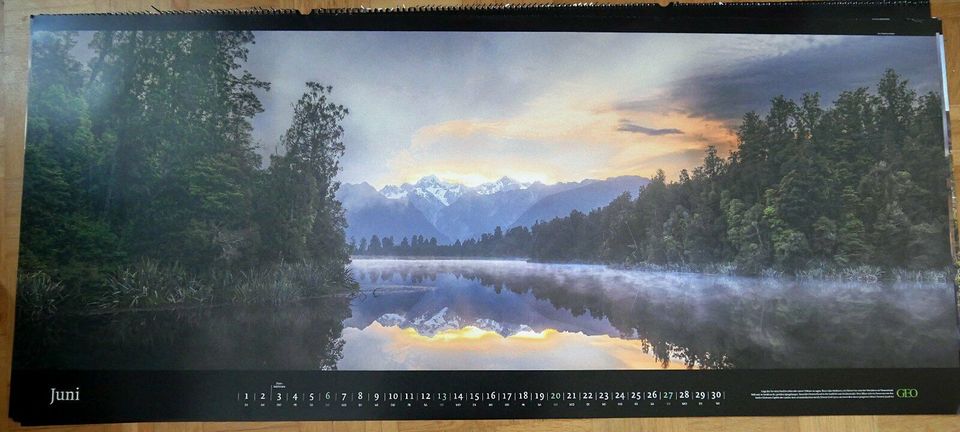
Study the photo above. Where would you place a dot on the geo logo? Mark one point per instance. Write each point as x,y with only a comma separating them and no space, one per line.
907,393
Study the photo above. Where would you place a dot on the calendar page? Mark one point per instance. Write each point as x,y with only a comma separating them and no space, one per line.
516,212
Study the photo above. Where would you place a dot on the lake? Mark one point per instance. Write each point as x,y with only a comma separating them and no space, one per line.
488,314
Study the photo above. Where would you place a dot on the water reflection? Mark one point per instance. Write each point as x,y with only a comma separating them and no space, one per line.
516,315
379,347
701,320
300,336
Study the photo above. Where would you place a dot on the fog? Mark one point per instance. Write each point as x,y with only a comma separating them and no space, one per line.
701,320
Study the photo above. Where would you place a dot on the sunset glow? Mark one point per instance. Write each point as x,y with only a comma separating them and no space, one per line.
379,347
564,142
555,107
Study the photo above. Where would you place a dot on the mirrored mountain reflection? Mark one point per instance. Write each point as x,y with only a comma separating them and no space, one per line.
462,314
696,320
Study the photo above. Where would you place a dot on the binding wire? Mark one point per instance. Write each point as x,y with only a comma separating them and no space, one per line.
524,7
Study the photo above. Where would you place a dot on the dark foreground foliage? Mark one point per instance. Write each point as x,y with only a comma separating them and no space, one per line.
143,187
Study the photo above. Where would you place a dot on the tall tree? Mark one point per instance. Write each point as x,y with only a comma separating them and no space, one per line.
302,184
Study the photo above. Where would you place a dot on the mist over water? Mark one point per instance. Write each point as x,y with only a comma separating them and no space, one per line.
698,320
489,315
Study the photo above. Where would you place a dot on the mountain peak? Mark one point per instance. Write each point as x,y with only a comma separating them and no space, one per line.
430,179
430,188
395,192
363,187
452,211
504,184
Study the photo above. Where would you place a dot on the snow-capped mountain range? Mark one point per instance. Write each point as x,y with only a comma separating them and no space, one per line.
447,192
450,211
429,325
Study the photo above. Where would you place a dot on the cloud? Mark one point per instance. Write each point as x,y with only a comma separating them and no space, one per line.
656,103
726,93
628,126
567,135
557,106
561,137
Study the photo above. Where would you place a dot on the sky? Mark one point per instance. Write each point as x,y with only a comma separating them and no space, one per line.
550,107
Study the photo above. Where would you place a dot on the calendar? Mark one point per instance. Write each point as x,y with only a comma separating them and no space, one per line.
487,212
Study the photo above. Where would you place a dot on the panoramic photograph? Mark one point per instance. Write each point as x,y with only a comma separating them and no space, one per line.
362,200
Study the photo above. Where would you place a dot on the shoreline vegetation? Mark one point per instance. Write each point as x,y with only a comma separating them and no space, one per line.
143,189
151,286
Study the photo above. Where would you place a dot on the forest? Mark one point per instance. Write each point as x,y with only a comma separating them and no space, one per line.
858,188
142,187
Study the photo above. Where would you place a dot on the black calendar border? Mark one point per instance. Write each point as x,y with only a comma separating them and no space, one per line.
138,396
128,396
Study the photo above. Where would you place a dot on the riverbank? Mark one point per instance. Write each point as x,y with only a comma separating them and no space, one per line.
150,285
862,273
817,271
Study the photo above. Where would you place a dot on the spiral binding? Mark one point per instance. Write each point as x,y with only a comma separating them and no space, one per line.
523,7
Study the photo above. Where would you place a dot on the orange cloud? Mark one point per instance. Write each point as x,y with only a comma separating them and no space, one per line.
562,139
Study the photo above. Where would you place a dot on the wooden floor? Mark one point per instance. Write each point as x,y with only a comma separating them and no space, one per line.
13,86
